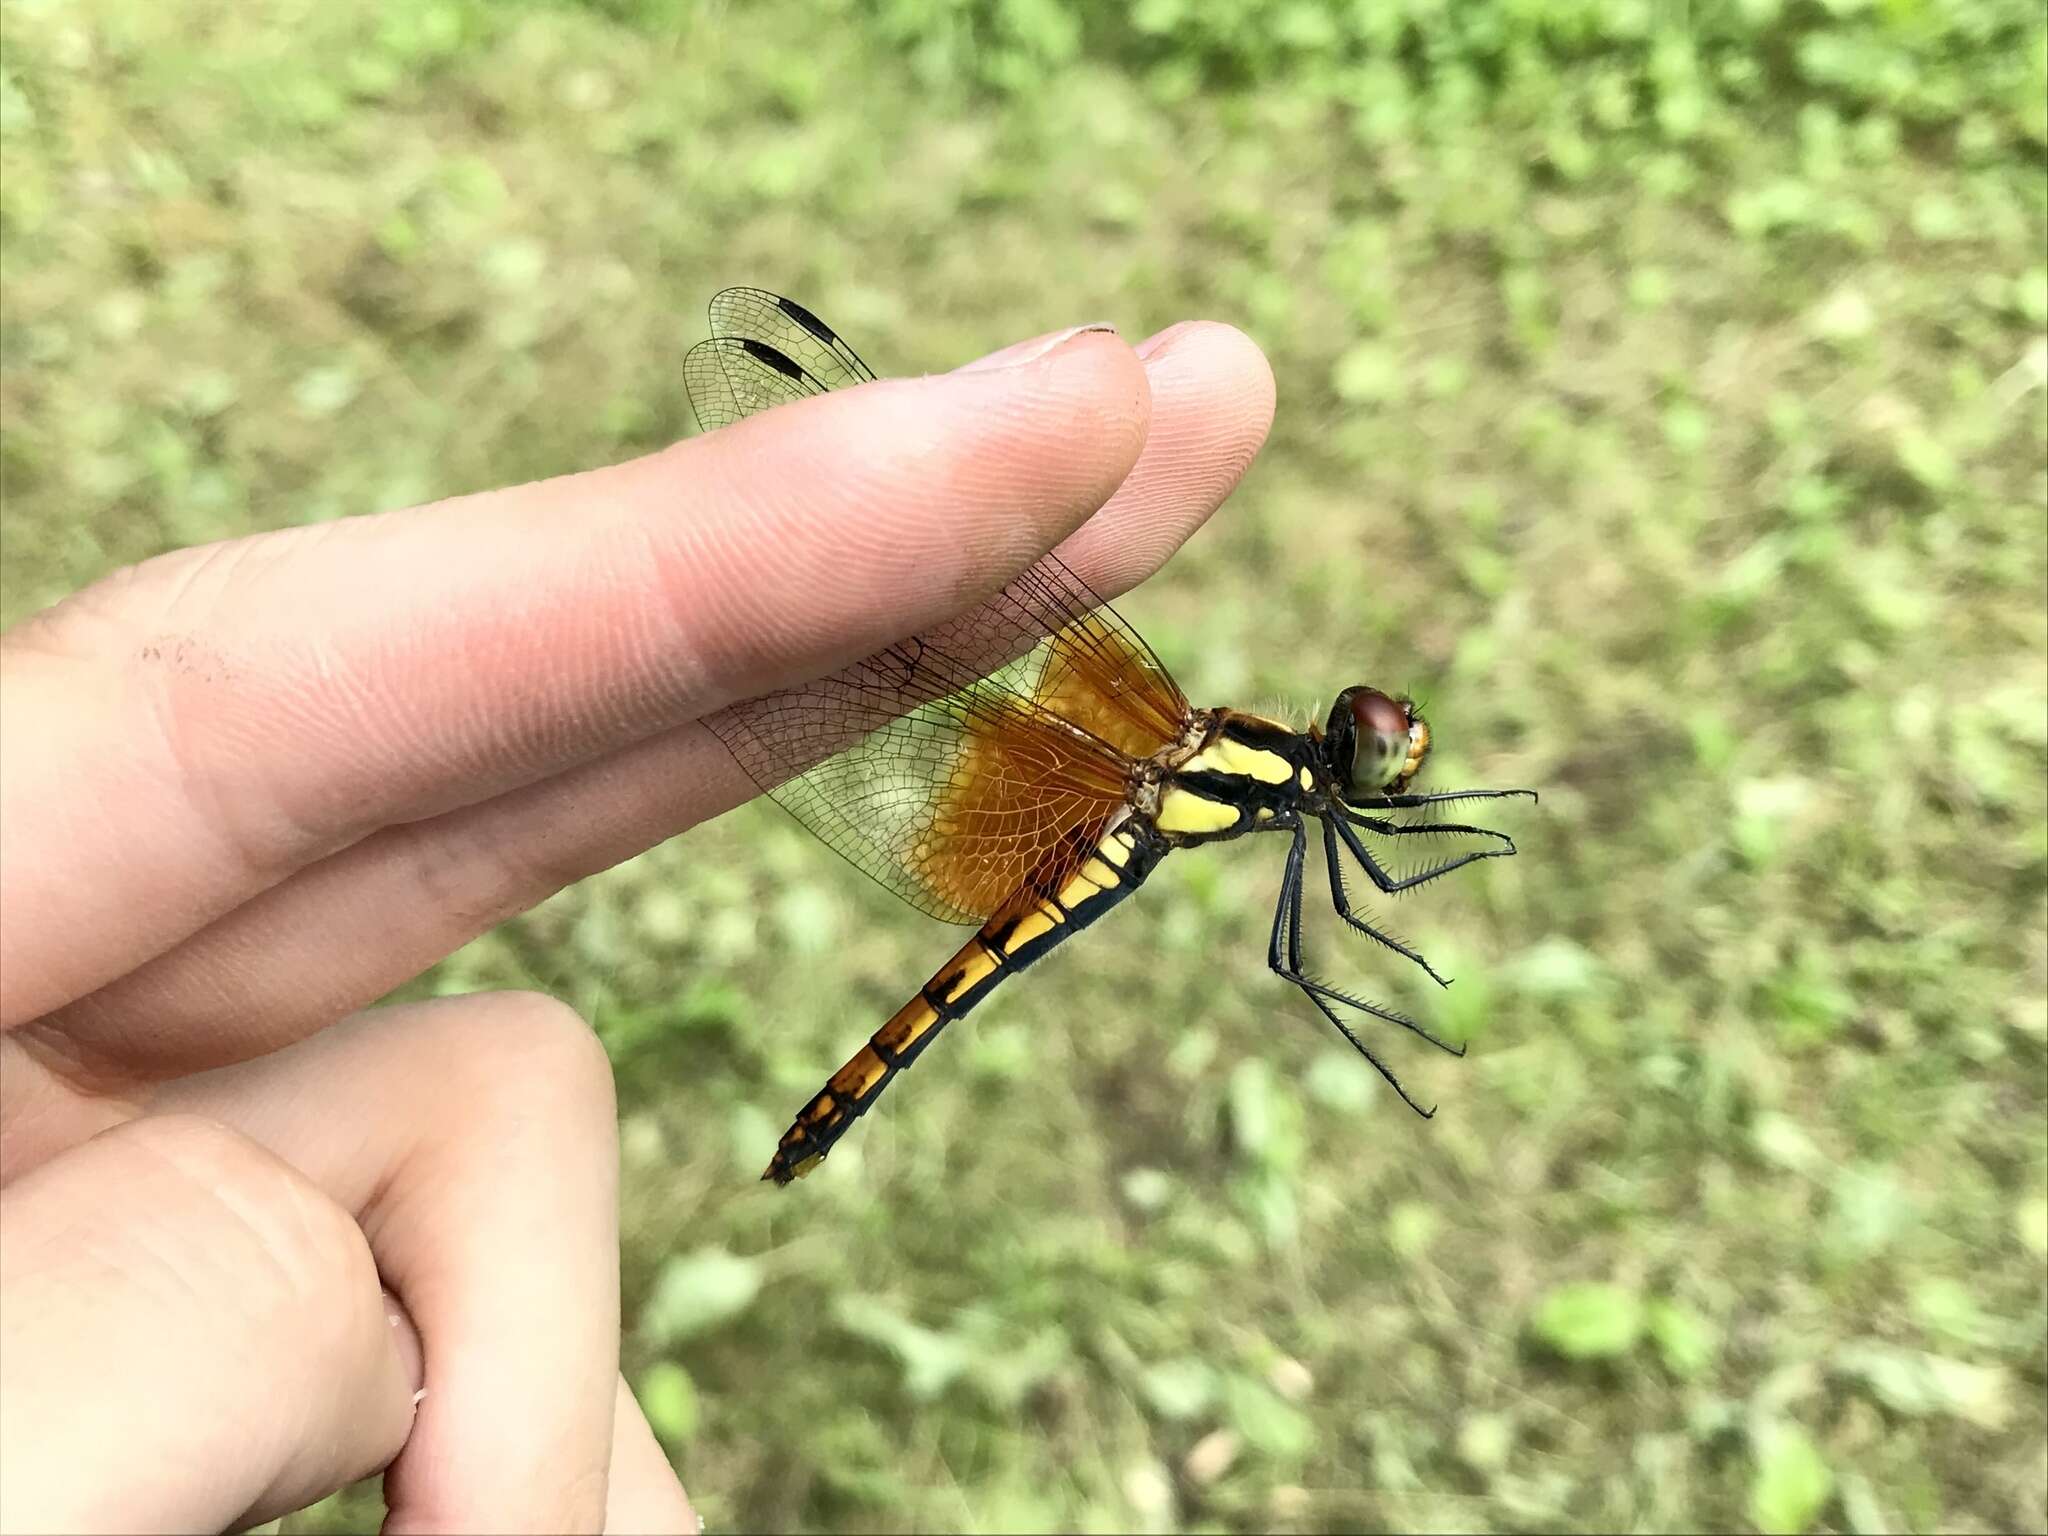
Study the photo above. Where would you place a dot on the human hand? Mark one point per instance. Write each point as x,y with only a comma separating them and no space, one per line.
247,789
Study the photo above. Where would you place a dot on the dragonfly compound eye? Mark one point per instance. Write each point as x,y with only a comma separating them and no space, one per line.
1375,742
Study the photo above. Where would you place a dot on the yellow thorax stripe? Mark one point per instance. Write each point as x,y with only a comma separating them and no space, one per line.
1226,756
1183,811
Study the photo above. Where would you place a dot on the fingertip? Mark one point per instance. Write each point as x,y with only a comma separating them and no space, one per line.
1088,396
839,524
1221,362
1021,352
1211,408
1097,395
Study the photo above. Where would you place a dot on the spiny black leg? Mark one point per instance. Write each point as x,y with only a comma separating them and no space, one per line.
1340,898
1323,989
1290,875
1386,882
1387,828
1287,919
1441,797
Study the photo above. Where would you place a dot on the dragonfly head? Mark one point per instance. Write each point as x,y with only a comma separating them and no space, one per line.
1374,743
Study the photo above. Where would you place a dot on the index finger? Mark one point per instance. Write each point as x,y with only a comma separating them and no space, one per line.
195,729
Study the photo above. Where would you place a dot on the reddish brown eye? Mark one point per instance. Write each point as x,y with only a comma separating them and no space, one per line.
1376,713
1374,743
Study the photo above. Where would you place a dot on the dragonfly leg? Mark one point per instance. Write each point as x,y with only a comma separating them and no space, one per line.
1387,828
1439,797
1340,898
1386,882
1283,956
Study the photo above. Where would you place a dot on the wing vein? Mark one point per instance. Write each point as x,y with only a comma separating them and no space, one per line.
955,766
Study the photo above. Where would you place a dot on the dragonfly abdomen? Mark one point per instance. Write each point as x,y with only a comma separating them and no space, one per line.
1039,916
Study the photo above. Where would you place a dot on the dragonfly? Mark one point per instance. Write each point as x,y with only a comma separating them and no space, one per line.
1024,767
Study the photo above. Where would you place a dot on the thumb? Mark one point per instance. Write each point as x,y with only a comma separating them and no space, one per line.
192,1337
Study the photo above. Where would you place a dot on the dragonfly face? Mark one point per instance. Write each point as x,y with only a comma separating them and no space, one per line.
1023,767
1374,745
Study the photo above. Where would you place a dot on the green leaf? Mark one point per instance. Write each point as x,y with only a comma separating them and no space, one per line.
1368,374
1784,1142
1868,1210
1809,1004
1485,1441
1410,1226
669,1399
1157,17
1340,1080
1148,1189
1686,427
1556,968
1791,1482
931,1361
697,1292
1589,1321
1917,1384
513,265
1266,1420
1255,1109
1004,1376
2030,295
1649,287
1251,1122
324,391
1846,315
1684,1339
1925,458
808,917
2030,1223
1946,1307
1860,1510
1977,1394
1178,1389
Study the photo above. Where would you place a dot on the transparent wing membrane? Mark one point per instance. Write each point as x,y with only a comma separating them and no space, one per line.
951,766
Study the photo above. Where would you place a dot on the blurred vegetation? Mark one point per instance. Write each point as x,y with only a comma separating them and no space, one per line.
1661,395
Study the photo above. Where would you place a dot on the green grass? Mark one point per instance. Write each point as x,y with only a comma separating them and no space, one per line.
1661,394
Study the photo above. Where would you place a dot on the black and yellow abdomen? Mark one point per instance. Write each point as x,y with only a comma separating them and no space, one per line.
1074,890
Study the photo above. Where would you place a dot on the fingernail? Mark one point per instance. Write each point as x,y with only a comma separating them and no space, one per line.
1157,342
1031,351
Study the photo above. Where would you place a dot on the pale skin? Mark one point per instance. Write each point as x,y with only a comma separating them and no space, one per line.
247,789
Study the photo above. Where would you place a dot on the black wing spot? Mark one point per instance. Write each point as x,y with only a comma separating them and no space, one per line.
808,321
761,352
877,747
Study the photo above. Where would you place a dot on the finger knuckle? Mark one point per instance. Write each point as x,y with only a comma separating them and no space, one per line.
265,1231
201,1151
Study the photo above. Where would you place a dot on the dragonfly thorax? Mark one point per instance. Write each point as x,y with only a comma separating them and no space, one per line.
1232,774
